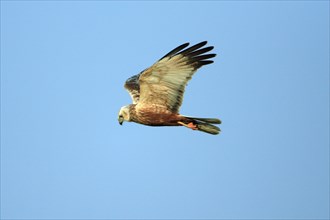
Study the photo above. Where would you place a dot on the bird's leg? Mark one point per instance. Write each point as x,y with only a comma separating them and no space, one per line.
189,125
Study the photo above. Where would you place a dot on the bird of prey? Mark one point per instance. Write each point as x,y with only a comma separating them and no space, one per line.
157,92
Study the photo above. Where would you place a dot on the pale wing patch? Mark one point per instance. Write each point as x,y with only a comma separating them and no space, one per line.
164,83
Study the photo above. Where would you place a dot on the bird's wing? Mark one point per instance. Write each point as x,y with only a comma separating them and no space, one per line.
164,83
133,87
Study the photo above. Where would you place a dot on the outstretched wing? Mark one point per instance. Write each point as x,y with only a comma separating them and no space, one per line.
133,87
163,84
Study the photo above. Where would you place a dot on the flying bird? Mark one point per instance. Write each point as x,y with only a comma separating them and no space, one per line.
157,92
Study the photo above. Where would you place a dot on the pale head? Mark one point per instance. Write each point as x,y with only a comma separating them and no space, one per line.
123,114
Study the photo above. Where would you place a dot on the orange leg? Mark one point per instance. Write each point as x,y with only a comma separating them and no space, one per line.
189,125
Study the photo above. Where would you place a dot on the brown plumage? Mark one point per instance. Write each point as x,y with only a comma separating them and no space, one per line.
157,92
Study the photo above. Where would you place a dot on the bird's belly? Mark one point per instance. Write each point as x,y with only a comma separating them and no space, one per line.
158,119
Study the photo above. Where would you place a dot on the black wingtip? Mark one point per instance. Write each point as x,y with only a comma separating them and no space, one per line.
175,50
195,53
202,43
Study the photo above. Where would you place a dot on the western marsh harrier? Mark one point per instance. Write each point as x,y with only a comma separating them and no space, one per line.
157,92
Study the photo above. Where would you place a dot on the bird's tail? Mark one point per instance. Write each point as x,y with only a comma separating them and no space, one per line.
206,124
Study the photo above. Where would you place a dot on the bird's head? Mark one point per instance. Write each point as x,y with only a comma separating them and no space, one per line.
123,114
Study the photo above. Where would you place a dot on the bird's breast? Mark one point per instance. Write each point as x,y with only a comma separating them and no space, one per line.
154,115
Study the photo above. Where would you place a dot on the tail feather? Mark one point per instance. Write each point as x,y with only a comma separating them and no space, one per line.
207,120
208,128
205,124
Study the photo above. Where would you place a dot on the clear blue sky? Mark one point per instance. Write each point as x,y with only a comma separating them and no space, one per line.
64,155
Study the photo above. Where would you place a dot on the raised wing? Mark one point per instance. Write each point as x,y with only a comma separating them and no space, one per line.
133,87
163,84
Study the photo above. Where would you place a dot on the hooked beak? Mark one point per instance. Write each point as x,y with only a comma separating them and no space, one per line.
121,120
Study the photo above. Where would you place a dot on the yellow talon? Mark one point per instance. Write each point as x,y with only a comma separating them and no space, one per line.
181,123
190,125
